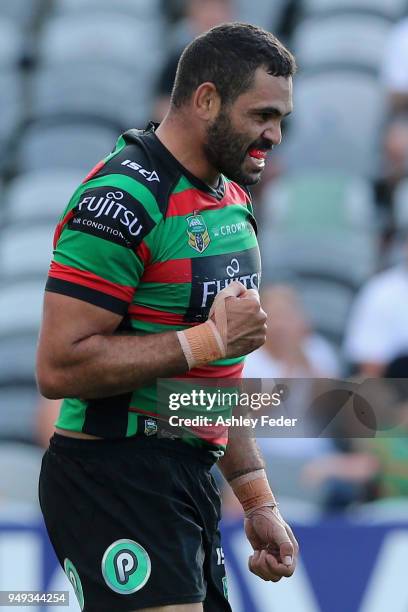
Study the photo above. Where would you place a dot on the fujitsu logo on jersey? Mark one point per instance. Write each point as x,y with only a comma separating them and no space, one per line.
212,287
110,206
150,176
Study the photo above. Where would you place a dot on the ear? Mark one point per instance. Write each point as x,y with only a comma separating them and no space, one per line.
206,101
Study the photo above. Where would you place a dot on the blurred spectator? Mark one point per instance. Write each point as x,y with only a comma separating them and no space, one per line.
201,15
395,140
395,66
378,325
292,349
376,467
394,166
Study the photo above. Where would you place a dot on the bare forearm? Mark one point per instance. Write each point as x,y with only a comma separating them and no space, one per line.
241,457
104,365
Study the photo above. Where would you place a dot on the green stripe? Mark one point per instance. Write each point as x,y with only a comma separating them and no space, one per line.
153,328
72,414
106,259
228,362
132,424
182,185
174,295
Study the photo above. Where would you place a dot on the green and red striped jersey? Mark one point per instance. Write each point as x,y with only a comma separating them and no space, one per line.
145,239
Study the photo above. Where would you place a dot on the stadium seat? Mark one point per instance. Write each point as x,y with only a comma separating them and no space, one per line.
262,13
392,9
26,250
339,124
40,196
17,358
20,307
73,89
11,108
319,202
11,44
343,40
102,38
21,465
344,257
141,9
69,146
22,12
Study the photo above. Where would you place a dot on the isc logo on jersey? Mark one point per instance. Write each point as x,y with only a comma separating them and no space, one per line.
150,176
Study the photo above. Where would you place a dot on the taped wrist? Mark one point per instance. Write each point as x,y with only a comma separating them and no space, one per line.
208,342
201,344
253,491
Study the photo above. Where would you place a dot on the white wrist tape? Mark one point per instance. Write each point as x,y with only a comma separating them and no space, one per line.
208,342
253,491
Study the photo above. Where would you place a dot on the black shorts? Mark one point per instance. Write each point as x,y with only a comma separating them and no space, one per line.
134,522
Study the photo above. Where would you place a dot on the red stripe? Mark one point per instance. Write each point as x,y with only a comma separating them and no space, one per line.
172,271
211,371
151,315
94,171
212,434
148,412
191,200
60,226
143,252
236,193
88,279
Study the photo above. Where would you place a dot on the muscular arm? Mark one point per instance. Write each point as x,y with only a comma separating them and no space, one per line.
79,355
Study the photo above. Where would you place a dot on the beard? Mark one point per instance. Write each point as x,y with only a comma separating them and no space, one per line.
226,150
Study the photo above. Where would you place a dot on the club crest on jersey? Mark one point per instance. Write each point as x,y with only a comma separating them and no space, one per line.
150,428
198,236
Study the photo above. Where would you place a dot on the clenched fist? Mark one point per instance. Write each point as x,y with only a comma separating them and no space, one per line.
238,315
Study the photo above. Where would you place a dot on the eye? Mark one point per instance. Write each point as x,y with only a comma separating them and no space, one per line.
263,117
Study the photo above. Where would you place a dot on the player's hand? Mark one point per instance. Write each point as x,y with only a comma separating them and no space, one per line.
240,319
275,546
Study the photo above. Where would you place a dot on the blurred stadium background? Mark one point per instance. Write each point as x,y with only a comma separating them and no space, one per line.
333,219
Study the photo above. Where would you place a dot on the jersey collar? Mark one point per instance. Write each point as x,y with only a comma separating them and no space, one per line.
165,154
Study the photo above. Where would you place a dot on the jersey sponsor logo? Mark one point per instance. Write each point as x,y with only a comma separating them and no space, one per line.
73,577
149,175
126,566
209,275
112,214
233,228
198,236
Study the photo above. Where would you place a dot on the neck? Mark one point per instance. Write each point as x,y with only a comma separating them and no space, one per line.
184,142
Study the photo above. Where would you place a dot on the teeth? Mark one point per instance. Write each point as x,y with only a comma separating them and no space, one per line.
258,162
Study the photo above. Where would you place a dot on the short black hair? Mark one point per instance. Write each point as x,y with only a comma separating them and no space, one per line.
228,55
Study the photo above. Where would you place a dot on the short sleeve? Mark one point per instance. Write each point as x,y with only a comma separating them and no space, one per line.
99,246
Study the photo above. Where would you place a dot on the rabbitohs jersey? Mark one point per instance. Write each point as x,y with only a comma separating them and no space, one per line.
145,239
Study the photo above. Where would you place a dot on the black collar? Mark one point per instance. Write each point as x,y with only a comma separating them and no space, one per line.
150,137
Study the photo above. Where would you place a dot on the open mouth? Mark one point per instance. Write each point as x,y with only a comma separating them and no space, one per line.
258,153
257,158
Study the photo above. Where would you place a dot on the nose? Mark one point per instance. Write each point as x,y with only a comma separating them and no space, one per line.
273,134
